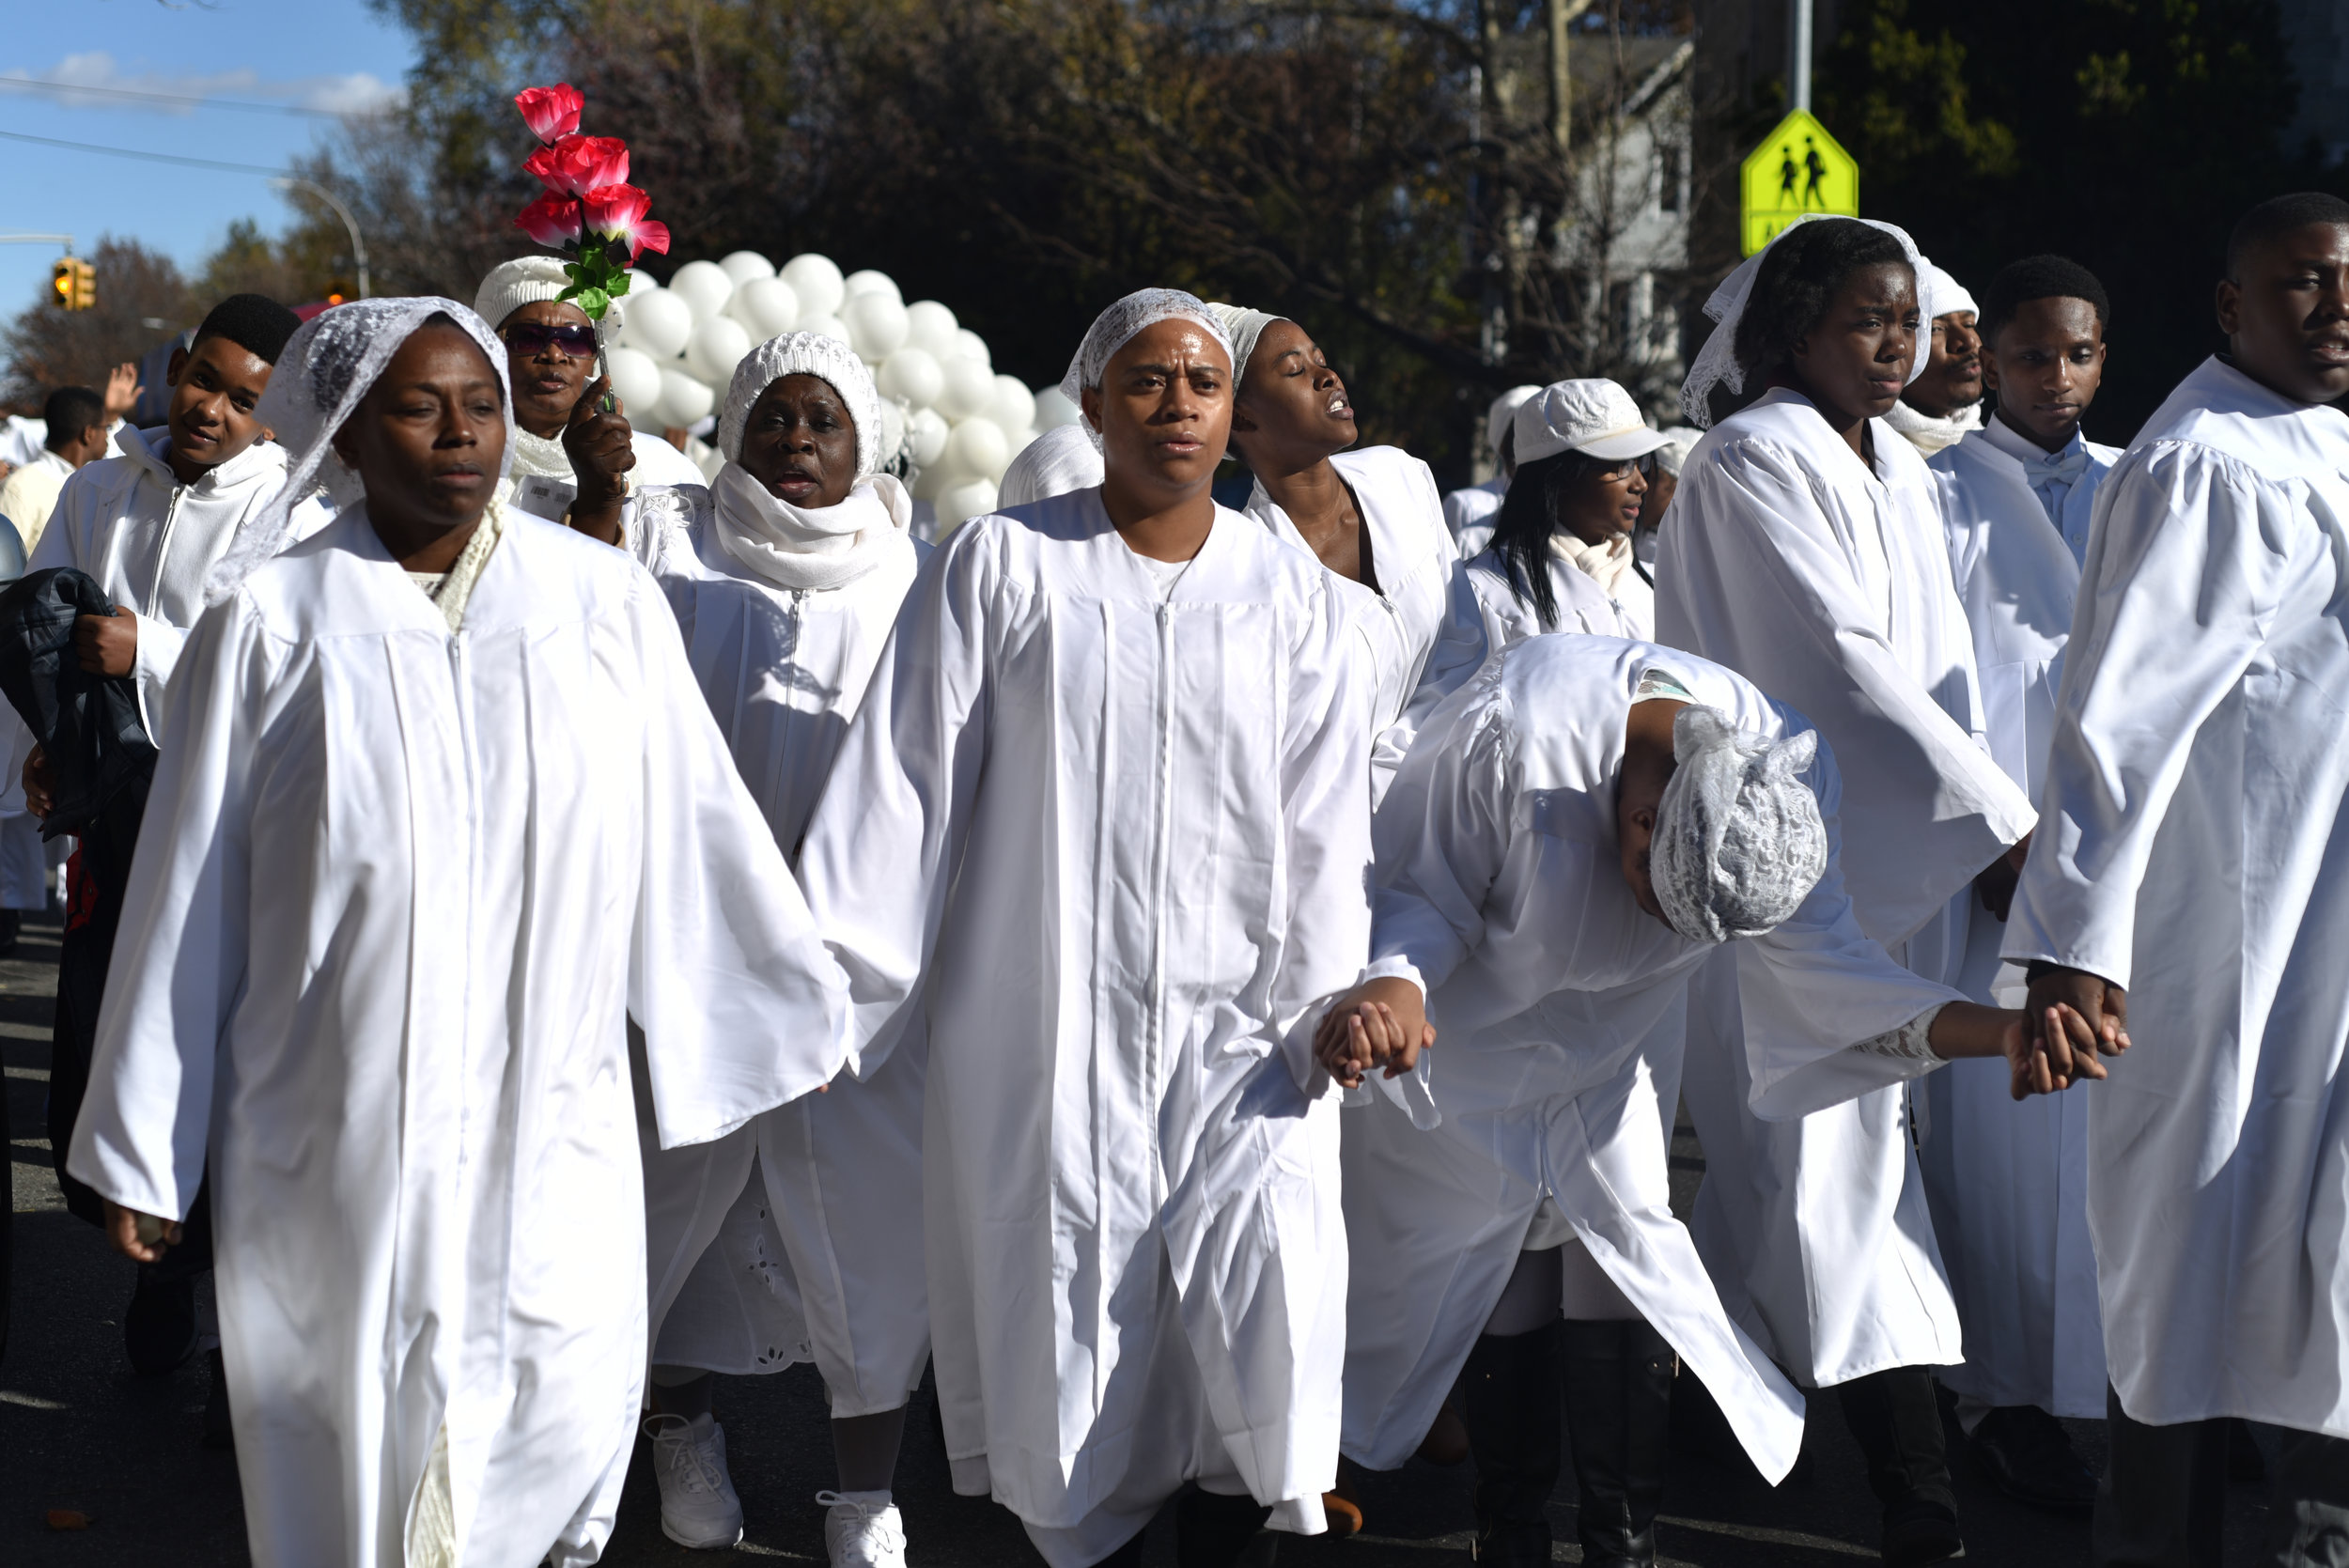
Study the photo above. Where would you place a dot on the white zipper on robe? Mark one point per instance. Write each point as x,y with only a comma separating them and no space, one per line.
162,549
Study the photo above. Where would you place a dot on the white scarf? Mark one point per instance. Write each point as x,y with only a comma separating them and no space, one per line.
1929,434
818,547
1606,564
541,456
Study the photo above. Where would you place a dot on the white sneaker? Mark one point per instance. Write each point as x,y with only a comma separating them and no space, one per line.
862,1531
698,1508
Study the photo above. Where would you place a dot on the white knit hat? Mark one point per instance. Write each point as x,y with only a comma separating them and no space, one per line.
1944,294
827,359
526,280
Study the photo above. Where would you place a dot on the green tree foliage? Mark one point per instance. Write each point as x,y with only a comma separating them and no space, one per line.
2127,134
142,299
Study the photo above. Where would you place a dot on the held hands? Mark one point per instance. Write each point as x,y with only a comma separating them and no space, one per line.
107,644
1967,1029
1379,1024
596,442
2072,1017
139,1236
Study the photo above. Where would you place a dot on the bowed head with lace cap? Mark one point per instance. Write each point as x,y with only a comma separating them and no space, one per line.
1739,843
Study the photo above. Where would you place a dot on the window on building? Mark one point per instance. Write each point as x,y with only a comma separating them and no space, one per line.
1671,178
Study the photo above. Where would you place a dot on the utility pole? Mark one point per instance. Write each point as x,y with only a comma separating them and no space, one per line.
1562,16
358,246
1798,54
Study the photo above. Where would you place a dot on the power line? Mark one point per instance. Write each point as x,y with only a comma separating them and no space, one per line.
147,157
38,85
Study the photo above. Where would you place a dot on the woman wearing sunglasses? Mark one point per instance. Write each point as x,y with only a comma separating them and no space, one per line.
573,461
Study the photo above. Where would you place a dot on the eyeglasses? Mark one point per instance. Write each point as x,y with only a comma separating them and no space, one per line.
533,337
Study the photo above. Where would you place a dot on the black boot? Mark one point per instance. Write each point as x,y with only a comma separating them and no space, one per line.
1510,1397
1212,1531
1893,1417
1619,1403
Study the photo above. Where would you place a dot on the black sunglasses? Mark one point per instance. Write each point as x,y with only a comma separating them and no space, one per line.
532,338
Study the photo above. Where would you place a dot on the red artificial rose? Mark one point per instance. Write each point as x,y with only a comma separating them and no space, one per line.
551,112
577,164
617,212
552,220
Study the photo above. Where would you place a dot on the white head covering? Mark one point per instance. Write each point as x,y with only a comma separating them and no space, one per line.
1504,409
1244,326
827,359
1717,362
1947,294
1062,459
1679,440
1739,843
327,367
510,285
1593,415
1119,325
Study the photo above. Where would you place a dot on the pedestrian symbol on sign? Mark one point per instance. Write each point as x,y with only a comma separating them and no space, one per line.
1799,168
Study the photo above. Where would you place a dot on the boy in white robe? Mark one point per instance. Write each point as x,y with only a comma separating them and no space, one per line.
2016,497
1104,814
1807,553
2186,888
438,810
1577,829
1943,400
799,1236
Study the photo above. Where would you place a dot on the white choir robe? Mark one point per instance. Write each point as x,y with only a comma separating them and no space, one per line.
2007,1180
1501,894
820,1259
1485,615
405,1047
1411,555
2192,849
1827,584
1467,508
1119,846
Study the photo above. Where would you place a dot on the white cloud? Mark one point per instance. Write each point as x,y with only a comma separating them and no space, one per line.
352,93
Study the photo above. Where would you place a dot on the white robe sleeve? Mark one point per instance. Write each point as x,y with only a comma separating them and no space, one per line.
880,852
179,956
1816,988
1441,835
2183,575
1940,809
743,1006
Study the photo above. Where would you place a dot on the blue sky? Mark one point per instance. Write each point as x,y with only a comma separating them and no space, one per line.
301,54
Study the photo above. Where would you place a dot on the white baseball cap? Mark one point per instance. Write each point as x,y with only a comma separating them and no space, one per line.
1593,416
1504,409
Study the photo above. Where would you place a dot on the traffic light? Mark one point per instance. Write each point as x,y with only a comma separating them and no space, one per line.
73,284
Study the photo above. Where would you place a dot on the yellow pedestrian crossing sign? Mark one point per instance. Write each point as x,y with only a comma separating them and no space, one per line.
1798,169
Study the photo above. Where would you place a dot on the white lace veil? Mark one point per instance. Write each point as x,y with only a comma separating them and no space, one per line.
827,359
1717,362
1739,843
1118,325
326,368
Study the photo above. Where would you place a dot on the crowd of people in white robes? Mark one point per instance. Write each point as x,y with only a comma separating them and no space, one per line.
1213,988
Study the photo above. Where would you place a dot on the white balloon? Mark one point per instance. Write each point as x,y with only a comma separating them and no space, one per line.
1054,408
871,282
637,377
978,447
971,346
704,286
969,387
825,326
766,305
641,282
931,480
912,375
659,324
930,433
877,325
742,265
958,503
1013,407
716,347
683,400
820,286
930,327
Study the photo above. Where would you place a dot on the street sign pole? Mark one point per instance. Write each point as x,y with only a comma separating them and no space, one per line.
1798,55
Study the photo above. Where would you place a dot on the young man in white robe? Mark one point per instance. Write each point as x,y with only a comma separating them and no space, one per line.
1575,832
438,810
1943,400
799,1236
1370,514
2185,889
1474,507
1104,816
575,461
2015,498
1807,553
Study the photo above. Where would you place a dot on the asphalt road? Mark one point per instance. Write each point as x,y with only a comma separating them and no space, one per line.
78,1431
